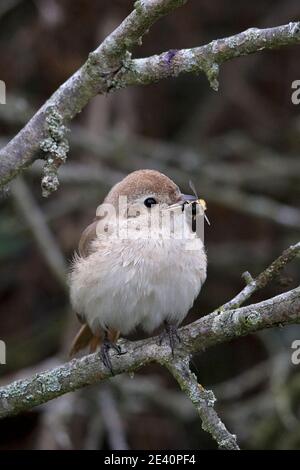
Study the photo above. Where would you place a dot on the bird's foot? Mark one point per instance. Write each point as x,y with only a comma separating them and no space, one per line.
104,353
171,333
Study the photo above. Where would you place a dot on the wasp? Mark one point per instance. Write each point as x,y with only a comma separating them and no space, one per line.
194,200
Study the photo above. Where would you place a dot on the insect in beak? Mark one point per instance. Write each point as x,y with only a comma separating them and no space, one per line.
201,202
190,199
193,199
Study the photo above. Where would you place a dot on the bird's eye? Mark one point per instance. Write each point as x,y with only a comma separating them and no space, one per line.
150,201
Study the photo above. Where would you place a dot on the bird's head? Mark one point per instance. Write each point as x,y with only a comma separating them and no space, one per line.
147,189
145,202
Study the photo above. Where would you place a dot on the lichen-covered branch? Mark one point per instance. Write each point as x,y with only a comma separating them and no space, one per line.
219,326
206,58
110,67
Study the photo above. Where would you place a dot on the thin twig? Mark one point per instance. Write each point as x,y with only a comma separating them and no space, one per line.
264,278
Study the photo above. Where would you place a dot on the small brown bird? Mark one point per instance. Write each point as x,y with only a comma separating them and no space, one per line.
140,263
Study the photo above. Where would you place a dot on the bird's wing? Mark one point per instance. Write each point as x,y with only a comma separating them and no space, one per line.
85,336
86,239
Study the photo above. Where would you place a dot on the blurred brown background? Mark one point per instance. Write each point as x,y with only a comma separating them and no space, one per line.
240,146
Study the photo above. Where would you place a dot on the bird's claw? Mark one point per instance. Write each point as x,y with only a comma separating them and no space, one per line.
104,353
171,333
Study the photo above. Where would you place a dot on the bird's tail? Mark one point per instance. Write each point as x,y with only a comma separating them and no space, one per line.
86,338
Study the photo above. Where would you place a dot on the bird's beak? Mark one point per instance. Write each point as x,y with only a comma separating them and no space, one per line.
188,198
182,199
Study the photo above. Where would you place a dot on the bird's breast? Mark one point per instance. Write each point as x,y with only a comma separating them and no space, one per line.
126,283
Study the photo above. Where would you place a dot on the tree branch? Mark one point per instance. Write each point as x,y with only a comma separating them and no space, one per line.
221,325
110,67
206,58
